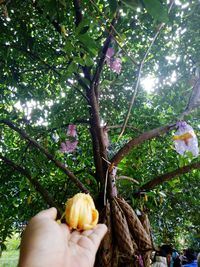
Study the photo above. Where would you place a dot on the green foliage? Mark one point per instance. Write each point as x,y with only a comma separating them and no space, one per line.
156,10
10,257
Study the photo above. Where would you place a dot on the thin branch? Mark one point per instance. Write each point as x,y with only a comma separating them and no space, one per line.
194,100
75,87
120,126
96,77
38,187
168,176
140,72
132,100
115,32
138,140
81,82
59,164
99,68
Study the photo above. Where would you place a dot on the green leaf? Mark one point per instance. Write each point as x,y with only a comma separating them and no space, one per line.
83,26
156,10
68,47
79,60
72,67
89,61
88,42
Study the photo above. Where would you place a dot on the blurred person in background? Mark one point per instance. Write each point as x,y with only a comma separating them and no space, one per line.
163,257
190,258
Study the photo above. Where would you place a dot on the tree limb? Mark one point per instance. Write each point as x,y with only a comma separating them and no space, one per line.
123,47
96,77
78,13
98,141
138,140
109,127
99,149
140,72
168,176
38,187
59,164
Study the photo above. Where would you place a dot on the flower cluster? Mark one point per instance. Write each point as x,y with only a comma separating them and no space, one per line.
114,63
71,142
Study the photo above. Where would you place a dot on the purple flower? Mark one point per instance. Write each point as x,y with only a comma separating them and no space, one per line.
71,130
71,142
116,65
68,147
141,263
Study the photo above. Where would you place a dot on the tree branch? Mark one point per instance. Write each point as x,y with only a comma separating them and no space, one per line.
140,72
140,139
78,13
59,164
109,127
168,176
99,149
96,77
123,47
38,187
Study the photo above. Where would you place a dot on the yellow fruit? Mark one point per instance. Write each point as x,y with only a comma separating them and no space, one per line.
80,212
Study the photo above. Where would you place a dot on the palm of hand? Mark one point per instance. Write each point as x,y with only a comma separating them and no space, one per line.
47,243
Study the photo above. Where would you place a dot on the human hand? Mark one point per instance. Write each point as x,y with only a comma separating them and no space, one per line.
47,243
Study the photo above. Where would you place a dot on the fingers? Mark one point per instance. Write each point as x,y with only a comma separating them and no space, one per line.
87,232
48,214
75,236
98,233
